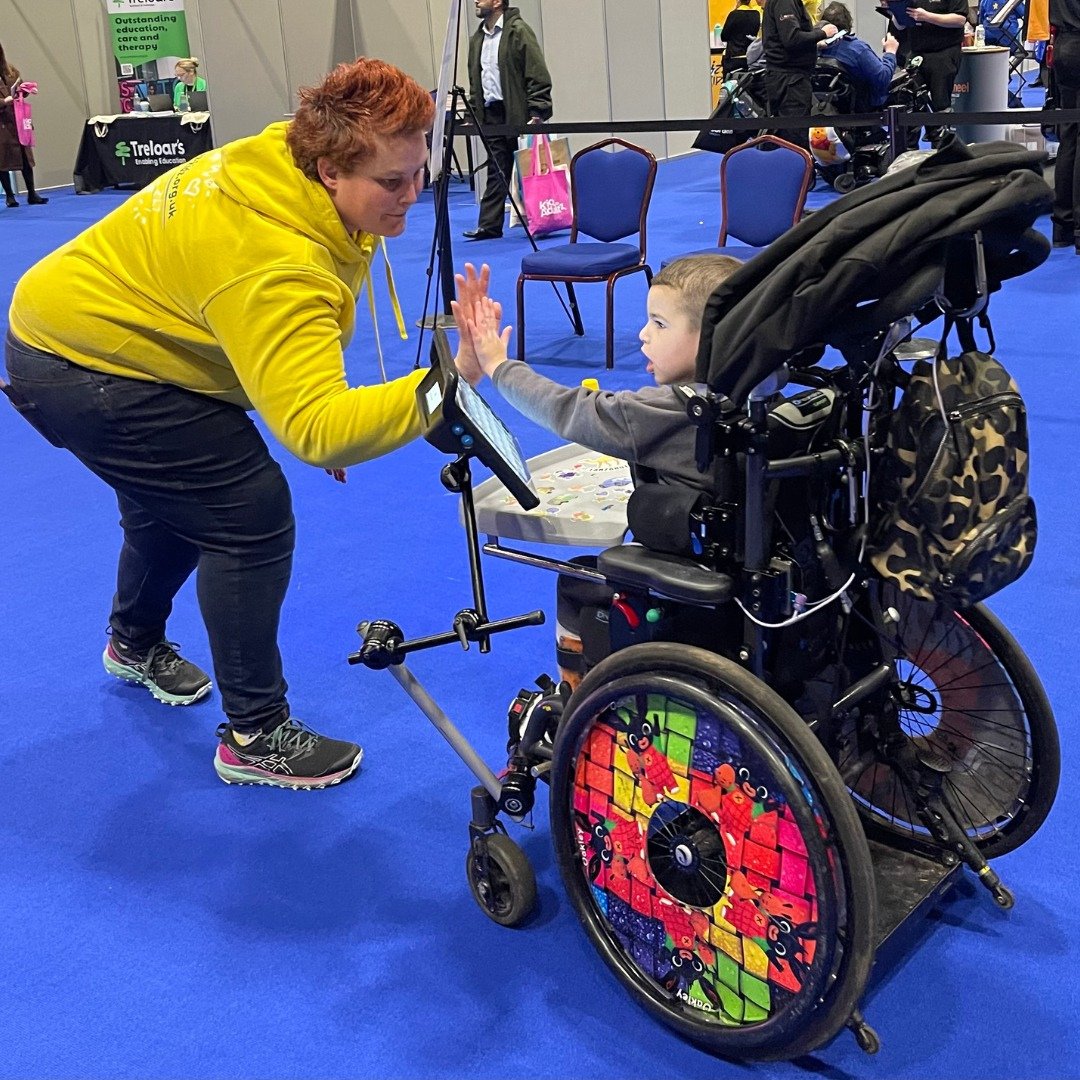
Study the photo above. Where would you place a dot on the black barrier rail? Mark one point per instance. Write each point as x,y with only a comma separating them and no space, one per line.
894,114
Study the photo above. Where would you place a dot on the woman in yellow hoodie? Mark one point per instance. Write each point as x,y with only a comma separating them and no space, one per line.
269,241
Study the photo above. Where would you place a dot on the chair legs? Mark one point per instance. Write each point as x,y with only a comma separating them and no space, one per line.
609,336
521,317
575,311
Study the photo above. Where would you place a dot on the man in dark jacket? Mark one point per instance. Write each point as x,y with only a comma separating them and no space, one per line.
508,84
870,73
791,41
1065,15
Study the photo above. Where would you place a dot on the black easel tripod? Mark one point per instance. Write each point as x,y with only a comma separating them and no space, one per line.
441,246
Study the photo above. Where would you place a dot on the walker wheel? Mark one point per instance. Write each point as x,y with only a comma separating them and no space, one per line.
507,892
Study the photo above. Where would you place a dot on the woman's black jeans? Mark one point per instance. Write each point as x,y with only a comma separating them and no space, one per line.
197,489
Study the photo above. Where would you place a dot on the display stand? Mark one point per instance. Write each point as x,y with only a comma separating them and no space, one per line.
982,85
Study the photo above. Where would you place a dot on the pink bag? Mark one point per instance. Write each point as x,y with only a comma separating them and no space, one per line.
546,195
24,123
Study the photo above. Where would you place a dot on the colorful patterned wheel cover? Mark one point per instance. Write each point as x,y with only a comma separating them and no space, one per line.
694,857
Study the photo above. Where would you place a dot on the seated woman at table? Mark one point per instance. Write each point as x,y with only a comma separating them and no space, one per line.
187,79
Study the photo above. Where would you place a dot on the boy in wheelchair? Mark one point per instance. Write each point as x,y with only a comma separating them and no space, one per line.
712,807
648,427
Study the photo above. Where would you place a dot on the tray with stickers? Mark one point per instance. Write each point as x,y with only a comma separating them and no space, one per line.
582,494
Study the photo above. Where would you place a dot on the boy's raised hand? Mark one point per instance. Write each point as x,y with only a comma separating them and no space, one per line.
471,287
489,345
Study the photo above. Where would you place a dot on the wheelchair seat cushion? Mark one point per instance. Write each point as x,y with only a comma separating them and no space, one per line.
581,260
665,575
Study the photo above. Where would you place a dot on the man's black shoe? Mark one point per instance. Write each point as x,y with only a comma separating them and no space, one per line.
1063,235
482,234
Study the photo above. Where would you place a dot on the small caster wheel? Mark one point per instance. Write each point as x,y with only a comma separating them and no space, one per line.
507,892
844,183
1003,897
865,1036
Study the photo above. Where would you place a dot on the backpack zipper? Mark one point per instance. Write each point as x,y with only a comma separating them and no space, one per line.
984,404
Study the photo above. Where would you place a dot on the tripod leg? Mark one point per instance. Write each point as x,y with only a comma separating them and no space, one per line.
575,311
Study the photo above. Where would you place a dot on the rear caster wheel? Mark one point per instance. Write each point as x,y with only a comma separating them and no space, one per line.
506,892
868,1040
844,183
1004,898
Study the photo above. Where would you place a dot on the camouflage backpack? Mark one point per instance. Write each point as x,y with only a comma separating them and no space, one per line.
956,522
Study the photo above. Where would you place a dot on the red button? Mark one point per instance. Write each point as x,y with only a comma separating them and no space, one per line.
628,613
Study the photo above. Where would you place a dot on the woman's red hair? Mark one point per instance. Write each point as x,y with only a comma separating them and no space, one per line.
356,103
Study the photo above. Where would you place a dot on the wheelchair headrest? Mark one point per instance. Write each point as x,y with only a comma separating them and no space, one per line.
874,256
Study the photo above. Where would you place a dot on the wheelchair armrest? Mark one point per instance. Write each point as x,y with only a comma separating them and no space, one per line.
665,575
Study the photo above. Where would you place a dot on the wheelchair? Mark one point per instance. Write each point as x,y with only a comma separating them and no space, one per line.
864,153
782,756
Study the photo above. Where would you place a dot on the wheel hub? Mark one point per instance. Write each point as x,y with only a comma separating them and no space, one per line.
686,854
916,698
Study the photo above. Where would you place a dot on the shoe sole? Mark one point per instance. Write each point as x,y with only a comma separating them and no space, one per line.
252,775
131,675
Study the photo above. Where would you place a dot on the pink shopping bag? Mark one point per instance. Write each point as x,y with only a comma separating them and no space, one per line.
546,195
24,123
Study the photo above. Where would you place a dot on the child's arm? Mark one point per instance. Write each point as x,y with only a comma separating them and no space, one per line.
603,421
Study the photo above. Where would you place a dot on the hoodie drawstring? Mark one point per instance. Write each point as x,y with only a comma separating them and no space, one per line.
399,318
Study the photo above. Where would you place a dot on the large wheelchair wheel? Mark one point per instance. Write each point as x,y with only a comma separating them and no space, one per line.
712,853
968,699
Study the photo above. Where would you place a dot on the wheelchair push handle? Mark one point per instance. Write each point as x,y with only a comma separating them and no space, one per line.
384,642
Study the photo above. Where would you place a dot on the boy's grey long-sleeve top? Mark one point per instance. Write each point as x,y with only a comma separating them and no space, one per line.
645,427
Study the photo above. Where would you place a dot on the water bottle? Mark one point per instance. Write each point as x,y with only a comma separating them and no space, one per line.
980,36
185,102
142,105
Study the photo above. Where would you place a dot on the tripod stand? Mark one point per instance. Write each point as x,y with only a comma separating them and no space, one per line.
442,155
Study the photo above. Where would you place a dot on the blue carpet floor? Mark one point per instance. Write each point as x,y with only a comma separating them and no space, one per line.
157,923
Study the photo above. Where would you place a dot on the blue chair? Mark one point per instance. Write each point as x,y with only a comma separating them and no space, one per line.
610,193
763,186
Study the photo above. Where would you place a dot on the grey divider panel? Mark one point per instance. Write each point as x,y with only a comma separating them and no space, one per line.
634,70
684,34
319,35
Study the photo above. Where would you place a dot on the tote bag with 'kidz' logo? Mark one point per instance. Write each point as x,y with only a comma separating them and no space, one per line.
546,195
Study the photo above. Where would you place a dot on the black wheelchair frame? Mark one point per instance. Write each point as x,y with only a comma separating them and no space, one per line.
741,827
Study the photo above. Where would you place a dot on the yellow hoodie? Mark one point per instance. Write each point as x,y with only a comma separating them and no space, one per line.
232,276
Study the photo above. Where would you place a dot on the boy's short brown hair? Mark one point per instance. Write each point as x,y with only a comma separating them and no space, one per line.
695,278
356,103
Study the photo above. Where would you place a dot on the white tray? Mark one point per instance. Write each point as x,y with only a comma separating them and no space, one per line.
583,498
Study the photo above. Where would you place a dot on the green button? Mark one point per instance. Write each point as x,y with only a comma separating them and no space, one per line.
653,615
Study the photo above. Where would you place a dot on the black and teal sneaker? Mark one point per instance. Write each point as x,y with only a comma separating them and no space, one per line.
162,670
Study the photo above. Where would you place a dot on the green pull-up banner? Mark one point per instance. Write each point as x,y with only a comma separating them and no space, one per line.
145,32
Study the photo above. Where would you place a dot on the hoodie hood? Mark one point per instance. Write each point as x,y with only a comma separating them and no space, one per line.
259,173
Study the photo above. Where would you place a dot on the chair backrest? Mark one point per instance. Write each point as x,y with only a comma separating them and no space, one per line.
763,186
611,191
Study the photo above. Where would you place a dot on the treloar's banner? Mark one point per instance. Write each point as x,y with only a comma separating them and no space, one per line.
148,37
